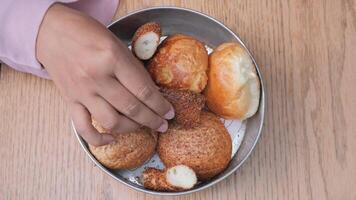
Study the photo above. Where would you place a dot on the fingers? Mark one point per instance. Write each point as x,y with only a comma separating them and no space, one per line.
153,99
137,80
108,117
126,103
82,121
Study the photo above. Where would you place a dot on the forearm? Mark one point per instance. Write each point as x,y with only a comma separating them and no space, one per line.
20,21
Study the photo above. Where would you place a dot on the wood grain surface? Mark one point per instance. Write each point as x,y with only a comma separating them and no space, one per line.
307,53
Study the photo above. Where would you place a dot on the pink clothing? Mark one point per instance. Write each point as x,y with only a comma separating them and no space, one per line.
20,21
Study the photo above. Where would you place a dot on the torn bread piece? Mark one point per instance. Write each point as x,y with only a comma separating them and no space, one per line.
146,40
187,105
177,178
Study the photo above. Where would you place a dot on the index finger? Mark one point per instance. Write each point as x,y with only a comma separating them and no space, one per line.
133,76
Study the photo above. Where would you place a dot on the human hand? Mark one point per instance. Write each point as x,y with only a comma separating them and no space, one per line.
98,76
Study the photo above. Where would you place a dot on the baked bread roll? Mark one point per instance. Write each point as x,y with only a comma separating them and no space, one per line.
181,62
206,148
128,151
233,89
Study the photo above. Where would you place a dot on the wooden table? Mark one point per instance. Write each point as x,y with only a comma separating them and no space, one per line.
307,53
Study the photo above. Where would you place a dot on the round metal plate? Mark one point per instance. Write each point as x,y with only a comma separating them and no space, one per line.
212,33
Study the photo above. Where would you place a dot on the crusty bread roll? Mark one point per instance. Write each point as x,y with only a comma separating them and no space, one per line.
130,150
206,148
181,62
233,89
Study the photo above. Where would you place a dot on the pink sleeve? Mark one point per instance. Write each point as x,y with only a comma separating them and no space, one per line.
20,21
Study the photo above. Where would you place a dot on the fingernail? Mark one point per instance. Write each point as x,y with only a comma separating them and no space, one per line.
163,128
170,114
108,138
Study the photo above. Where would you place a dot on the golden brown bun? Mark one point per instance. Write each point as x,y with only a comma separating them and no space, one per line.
181,62
205,148
187,106
130,150
233,89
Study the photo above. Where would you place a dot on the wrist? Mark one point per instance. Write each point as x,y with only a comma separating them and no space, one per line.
51,31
